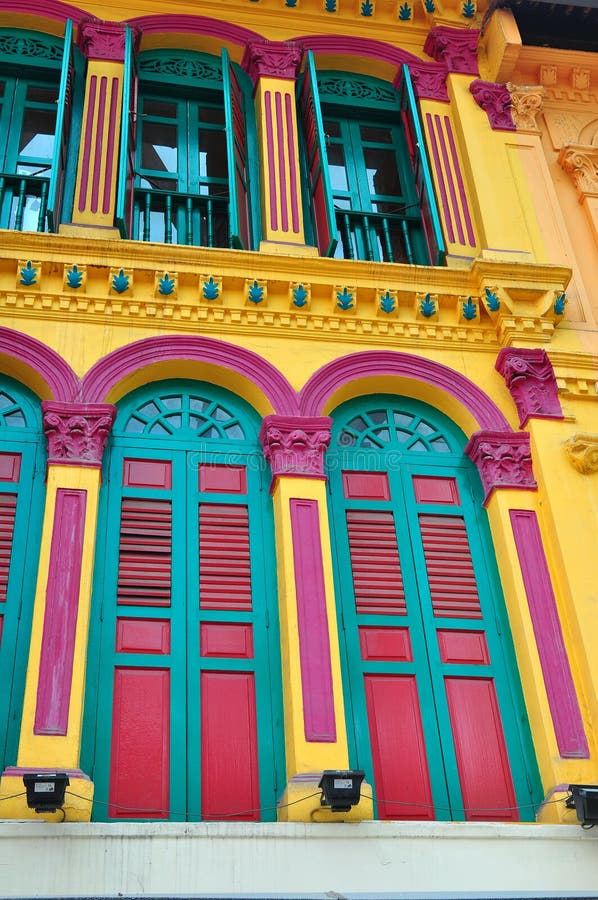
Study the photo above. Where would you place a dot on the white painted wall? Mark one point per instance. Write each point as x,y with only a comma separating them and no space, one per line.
43,859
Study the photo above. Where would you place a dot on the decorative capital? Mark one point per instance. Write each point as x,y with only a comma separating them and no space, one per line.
102,40
527,101
429,81
580,161
495,100
530,378
77,432
582,452
503,459
296,445
271,60
456,48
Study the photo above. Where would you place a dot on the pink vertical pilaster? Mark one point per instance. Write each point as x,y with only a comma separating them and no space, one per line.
314,641
560,688
530,378
60,618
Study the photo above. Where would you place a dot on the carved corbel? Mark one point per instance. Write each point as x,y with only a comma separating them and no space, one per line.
503,460
77,432
527,102
582,452
580,161
295,445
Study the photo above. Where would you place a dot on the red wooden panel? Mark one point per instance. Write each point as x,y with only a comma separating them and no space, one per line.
482,761
229,761
430,489
223,479
145,558
398,749
391,644
140,754
226,639
10,466
142,636
450,569
8,509
377,578
148,473
464,647
224,564
366,485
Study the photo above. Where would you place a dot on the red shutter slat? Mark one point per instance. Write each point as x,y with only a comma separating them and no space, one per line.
377,578
8,508
145,552
224,562
449,566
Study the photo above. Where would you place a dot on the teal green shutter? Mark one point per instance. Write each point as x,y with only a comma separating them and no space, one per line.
320,193
62,131
421,172
236,151
126,157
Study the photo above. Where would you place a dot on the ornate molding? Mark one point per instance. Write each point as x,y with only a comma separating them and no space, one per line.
457,49
295,445
580,161
530,378
429,81
582,452
77,432
271,60
102,40
495,100
503,459
527,102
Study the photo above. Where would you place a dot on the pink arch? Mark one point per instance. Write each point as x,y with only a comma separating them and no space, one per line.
57,375
46,9
322,385
356,46
225,31
109,371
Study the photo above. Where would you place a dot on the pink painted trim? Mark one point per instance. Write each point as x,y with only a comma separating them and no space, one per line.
271,163
110,146
106,374
443,195
19,771
314,639
284,209
181,24
60,380
460,183
91,108
560,688
292,142
60,618
372,363
48,9
449,176
356,46
99,149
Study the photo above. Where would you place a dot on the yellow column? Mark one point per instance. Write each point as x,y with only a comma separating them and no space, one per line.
273,68
51,725
103,44
314,714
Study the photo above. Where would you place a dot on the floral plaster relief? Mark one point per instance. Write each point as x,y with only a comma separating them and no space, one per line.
582,452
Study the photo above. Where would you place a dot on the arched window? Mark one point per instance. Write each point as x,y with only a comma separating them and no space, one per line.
21,505
192,134
184,669
36,88
370,189
435,714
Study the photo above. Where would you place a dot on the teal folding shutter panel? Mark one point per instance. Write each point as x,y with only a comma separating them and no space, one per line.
421,171
126,161
65,93
320,193
236,147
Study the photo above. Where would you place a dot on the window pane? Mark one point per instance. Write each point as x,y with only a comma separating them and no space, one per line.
159,149
378,135
212,154
159,108
37,133
382,173
38,94
212,114
336,167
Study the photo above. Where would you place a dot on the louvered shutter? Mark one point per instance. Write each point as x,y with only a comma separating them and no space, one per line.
63,116
236,149
125,191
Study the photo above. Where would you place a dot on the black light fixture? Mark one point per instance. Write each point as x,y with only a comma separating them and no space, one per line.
584,800
45,790
341,788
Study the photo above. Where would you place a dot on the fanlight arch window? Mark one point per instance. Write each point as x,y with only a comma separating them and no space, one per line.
183,706
436,716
